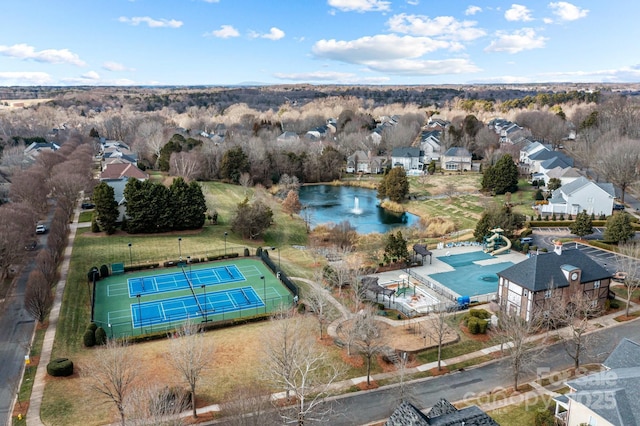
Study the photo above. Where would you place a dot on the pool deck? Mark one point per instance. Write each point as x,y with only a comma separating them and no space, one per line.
438,266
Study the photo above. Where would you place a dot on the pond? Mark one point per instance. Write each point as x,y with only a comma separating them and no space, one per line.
359,206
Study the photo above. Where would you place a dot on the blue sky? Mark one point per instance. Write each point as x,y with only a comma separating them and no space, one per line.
220,42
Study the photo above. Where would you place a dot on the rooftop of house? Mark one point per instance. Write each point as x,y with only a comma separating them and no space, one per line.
539,272
441,414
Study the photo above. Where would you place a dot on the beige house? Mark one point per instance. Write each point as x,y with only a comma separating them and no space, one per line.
456,158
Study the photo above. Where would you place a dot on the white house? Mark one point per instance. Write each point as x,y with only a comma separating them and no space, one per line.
531,149
581,194
365,162
430,146
409,158
566,175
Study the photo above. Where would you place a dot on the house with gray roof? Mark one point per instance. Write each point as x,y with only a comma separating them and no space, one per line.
580,195
532,287
456,158
441,414
607,398
365,162
409,158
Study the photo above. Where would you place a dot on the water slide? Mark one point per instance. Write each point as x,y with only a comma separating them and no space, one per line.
501,249
490,243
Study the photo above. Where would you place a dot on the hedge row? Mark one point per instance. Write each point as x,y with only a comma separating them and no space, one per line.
169,263
141,267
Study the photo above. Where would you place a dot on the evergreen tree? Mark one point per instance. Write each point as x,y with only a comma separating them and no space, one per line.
502,217
502,177
554,183
175,144
234,163
431,169
582,225
394,185
396,247
619,228
106,208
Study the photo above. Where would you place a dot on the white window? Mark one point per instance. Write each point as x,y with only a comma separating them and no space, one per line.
547,294
596,284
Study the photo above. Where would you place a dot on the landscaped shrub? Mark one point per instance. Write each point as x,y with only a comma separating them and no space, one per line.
258,251
94,225
301,308
100,336
246,252
482,326
92,326
473,325
526,232
480,313
89,338
93,274
104,271
60,367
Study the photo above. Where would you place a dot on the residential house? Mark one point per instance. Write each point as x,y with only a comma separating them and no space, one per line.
376,135
566,175
536,159
530,149
409,158
456,158
581,194
430,145
365,162
317,133
437,124
607,398
441,414
122,171
35,148
531,287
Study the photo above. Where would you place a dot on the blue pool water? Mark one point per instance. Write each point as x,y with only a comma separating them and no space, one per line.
469,278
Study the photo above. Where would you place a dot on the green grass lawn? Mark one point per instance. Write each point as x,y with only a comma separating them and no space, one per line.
521,414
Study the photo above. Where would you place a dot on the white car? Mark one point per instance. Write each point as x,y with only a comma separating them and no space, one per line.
41,229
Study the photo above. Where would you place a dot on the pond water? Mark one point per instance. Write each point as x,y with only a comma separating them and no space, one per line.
359,206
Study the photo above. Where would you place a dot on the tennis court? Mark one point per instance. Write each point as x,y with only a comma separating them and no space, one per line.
215,291
180,280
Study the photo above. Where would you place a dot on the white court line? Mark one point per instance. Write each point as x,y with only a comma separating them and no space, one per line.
164,315
235,305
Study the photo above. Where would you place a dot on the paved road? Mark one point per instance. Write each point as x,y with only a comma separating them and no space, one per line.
365,407
16,331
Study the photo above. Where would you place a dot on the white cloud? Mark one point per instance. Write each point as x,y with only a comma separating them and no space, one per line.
472,10
274,34
413,2
91,75
424,67
115,66
379,47
324,76
360,5
518,12
547,20
151,23
517,41
225,31
52,56
211,1
25,78
621,75
446,27
567,11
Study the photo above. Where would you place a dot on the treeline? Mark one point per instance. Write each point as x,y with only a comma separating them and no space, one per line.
151,207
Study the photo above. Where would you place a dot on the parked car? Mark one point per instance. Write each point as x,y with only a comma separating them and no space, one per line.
31,245
526,240
87,206
618,206
41,229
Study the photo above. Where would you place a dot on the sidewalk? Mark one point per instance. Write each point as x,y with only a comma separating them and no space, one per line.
37,392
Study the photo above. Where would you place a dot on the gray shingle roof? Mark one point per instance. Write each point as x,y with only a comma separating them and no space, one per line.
457,151
407,151
625,355
538,272
406,414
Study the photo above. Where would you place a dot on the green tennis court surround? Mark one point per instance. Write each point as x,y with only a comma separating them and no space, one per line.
153,300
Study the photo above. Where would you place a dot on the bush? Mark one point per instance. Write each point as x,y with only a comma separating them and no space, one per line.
94,225
301,308
89,338
473,325
258,251
100,336
480,313
104,271
60,367
526,232
92,326
93,274
246,252
482,326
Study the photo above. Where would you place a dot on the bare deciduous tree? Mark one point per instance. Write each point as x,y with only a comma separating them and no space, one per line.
185,164
618,162
513,333
250,406
297,364
628,261
112,374
438,329
189,353
38,296
368,337
156,405
319,305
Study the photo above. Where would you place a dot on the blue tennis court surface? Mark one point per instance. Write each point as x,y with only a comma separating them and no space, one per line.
469,278
181,308
178,280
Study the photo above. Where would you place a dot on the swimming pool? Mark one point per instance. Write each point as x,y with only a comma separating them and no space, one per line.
470,277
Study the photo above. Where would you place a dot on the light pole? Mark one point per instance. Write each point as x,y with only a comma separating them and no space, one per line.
264,292
225,243
189,262
139,312
278,248
180,248
130,256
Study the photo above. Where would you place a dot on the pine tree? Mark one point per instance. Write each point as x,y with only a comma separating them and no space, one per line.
106,208
619,228
502,177
582,225
394,185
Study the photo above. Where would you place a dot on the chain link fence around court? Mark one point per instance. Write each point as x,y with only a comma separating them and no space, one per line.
207,318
